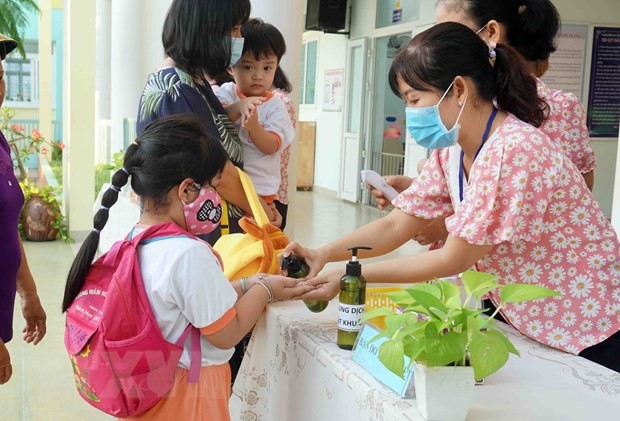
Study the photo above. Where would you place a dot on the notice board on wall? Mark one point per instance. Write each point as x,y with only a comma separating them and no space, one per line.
604,92
566,65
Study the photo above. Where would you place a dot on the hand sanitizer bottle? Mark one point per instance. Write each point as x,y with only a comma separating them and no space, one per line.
351,302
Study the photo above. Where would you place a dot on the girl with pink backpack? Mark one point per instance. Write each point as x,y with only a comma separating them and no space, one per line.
174,167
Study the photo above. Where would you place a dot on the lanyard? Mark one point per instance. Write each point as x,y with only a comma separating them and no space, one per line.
484,139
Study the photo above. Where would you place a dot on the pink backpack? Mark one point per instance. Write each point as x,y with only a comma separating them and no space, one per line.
121,361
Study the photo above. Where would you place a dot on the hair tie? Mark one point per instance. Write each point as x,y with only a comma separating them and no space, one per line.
104,208
96,231
123,169
116,189
492,52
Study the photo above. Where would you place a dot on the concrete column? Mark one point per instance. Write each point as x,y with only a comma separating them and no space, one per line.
102,79
125,61
45,69
153,16
79,113
287,16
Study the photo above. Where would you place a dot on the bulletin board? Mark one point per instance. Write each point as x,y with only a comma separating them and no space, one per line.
567,64
333,89
604,88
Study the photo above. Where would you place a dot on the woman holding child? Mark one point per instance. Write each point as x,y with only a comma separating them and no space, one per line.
201,39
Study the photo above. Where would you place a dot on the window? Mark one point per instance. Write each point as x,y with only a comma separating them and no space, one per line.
308,73
21,78
18,80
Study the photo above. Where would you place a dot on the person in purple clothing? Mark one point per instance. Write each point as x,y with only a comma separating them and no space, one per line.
15,275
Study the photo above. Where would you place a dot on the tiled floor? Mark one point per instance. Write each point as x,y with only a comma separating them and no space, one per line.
42,385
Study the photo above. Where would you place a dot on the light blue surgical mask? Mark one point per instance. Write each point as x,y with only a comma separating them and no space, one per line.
427,128
236,50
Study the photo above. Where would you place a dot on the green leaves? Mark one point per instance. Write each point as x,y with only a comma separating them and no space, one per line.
488,353
515,293
444,349
391,354
429,302
478,283
438,329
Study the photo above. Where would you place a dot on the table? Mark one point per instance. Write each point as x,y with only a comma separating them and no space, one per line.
293,370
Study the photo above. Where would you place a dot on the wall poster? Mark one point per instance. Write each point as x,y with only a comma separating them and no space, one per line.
333,87
567,63
604,96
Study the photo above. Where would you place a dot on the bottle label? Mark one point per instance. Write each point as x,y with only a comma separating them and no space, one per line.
349,316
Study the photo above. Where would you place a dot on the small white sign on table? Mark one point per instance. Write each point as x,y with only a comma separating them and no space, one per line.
366,354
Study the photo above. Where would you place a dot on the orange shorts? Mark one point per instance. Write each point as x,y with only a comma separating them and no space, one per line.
206,400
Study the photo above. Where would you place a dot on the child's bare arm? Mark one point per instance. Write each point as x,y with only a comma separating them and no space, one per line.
267,142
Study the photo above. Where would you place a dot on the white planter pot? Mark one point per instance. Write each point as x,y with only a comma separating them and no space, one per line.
443,393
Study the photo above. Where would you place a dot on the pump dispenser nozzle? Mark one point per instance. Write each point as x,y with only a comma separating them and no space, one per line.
353,267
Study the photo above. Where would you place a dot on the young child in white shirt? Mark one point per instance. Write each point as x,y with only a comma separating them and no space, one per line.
173,166
261,118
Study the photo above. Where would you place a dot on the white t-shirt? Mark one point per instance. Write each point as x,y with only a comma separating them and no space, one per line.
264,170
185,284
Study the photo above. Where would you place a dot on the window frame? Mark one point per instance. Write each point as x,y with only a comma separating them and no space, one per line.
33,60
304,83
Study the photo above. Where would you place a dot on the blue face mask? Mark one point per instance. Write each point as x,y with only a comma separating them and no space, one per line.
427,128
236,50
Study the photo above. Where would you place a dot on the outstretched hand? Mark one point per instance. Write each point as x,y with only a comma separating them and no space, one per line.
324,286
285,288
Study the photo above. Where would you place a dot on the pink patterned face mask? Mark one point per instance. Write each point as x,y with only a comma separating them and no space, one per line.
204,214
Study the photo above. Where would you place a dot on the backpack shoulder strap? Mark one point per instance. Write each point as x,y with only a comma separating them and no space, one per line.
195,351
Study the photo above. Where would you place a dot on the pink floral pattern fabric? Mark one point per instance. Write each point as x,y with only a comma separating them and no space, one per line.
566,125
526,199
282,195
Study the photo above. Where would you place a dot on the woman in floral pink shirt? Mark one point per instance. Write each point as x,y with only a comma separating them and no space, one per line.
531,28
520,209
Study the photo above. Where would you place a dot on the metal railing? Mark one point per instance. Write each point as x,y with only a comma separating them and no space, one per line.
388,163
31,124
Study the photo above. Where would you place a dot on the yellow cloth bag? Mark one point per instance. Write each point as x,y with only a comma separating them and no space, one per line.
257,250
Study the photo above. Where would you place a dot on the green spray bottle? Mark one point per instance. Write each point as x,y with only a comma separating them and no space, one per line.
297,268
352,301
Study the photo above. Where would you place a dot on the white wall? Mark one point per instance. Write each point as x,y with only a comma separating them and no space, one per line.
593,11
362,18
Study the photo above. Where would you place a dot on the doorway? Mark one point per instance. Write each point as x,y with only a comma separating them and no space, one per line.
388,131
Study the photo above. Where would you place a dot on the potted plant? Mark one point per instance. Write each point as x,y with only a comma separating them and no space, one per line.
41,218
449,342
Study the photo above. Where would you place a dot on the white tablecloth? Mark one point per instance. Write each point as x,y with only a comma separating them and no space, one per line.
293,370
